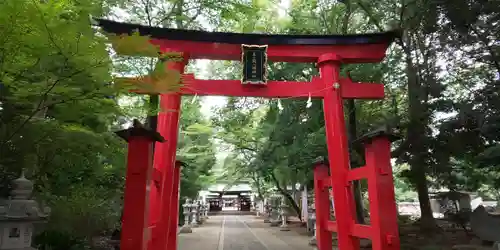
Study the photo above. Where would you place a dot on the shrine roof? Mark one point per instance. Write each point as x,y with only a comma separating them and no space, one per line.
246,38
225,188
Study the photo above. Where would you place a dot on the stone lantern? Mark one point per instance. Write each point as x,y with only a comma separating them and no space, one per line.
268,209
275,213
199,210
312,241
186,209
284,216
206,207
18,215
194,215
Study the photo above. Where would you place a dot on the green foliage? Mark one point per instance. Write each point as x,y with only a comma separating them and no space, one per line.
86,212
57,240
134,44
196,149
57,109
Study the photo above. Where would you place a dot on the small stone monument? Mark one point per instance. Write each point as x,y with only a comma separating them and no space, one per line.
18,215
186,210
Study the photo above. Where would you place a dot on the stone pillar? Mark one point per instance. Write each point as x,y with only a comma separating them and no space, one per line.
284,216
312,241
186,210
18,216
304,204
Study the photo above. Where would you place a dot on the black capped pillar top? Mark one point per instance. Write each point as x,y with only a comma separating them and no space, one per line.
180,163
138,129
321,160
385,131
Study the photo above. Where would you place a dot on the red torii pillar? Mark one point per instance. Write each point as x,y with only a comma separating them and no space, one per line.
322,203
174,207
139,165
162,216
333,106
383,210
384,235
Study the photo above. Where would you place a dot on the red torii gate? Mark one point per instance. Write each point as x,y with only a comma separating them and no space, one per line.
159,225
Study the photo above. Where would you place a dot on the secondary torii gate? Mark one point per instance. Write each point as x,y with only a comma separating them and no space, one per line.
329,52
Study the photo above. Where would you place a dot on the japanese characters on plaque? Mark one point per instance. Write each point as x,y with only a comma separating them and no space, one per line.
254,59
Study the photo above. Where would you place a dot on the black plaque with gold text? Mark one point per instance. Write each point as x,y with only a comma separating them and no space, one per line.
254,59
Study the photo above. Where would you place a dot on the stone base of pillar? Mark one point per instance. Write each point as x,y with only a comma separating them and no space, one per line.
186,229
275,223
284,228
312,241
199,220
193,225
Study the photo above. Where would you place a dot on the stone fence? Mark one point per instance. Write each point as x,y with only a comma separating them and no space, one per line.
413,208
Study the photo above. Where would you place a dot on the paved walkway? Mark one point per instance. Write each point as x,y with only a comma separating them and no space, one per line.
240,232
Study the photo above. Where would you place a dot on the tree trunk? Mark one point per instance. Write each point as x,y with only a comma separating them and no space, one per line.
294,188
352,132
152,119
352,135
427,222
257,181
417,138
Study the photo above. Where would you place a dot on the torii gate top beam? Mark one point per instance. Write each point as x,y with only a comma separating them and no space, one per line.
356,48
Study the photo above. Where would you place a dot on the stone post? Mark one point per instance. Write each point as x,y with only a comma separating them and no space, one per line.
186,210
312,241
18,216
284,215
